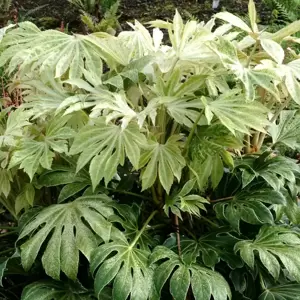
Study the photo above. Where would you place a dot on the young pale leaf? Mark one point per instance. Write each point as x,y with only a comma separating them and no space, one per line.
85,216
204,282
106,146
289,291
233,20
249,207
252,15
274,246
126,266
286,131
50,50
164,161
273,49
45,290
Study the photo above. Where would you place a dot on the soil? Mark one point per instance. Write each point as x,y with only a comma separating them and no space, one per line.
51,15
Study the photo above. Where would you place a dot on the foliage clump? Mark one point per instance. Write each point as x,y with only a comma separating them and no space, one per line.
142,169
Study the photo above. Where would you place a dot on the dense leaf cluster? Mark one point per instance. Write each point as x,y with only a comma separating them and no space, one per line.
142,169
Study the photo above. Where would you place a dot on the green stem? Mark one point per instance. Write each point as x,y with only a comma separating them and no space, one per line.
274,118
210,222
154,196
189,139
221,199
6,251
8,227
143,228
7,234
251,54
128,193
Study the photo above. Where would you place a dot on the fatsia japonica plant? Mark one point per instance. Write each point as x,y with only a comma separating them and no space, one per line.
148,165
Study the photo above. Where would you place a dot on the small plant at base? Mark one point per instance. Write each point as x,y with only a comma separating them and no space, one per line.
143,170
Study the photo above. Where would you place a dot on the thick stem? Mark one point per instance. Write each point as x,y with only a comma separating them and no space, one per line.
143,228
176,223
247,148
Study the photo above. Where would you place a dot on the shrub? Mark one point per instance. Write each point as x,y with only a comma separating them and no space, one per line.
144,170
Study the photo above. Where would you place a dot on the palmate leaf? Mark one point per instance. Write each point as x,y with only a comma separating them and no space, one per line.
34,153
204,282
69,229
16,122
106,146
128,218
213,247
53,290
249,207
275,171
49,50
235,113
288,291
163,161
185,202
208,152
251,78
6,178
286,131
184,110
126,266
273,246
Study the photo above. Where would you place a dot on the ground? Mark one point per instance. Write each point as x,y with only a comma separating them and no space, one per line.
56,11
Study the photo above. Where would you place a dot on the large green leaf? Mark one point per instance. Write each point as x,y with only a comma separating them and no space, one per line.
34,153
204,282
274,245
288,291
66,230
164,161
249,207
128,217
276,171
106,146
126,266
208,151
235,113
46,290
212,247
286,131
